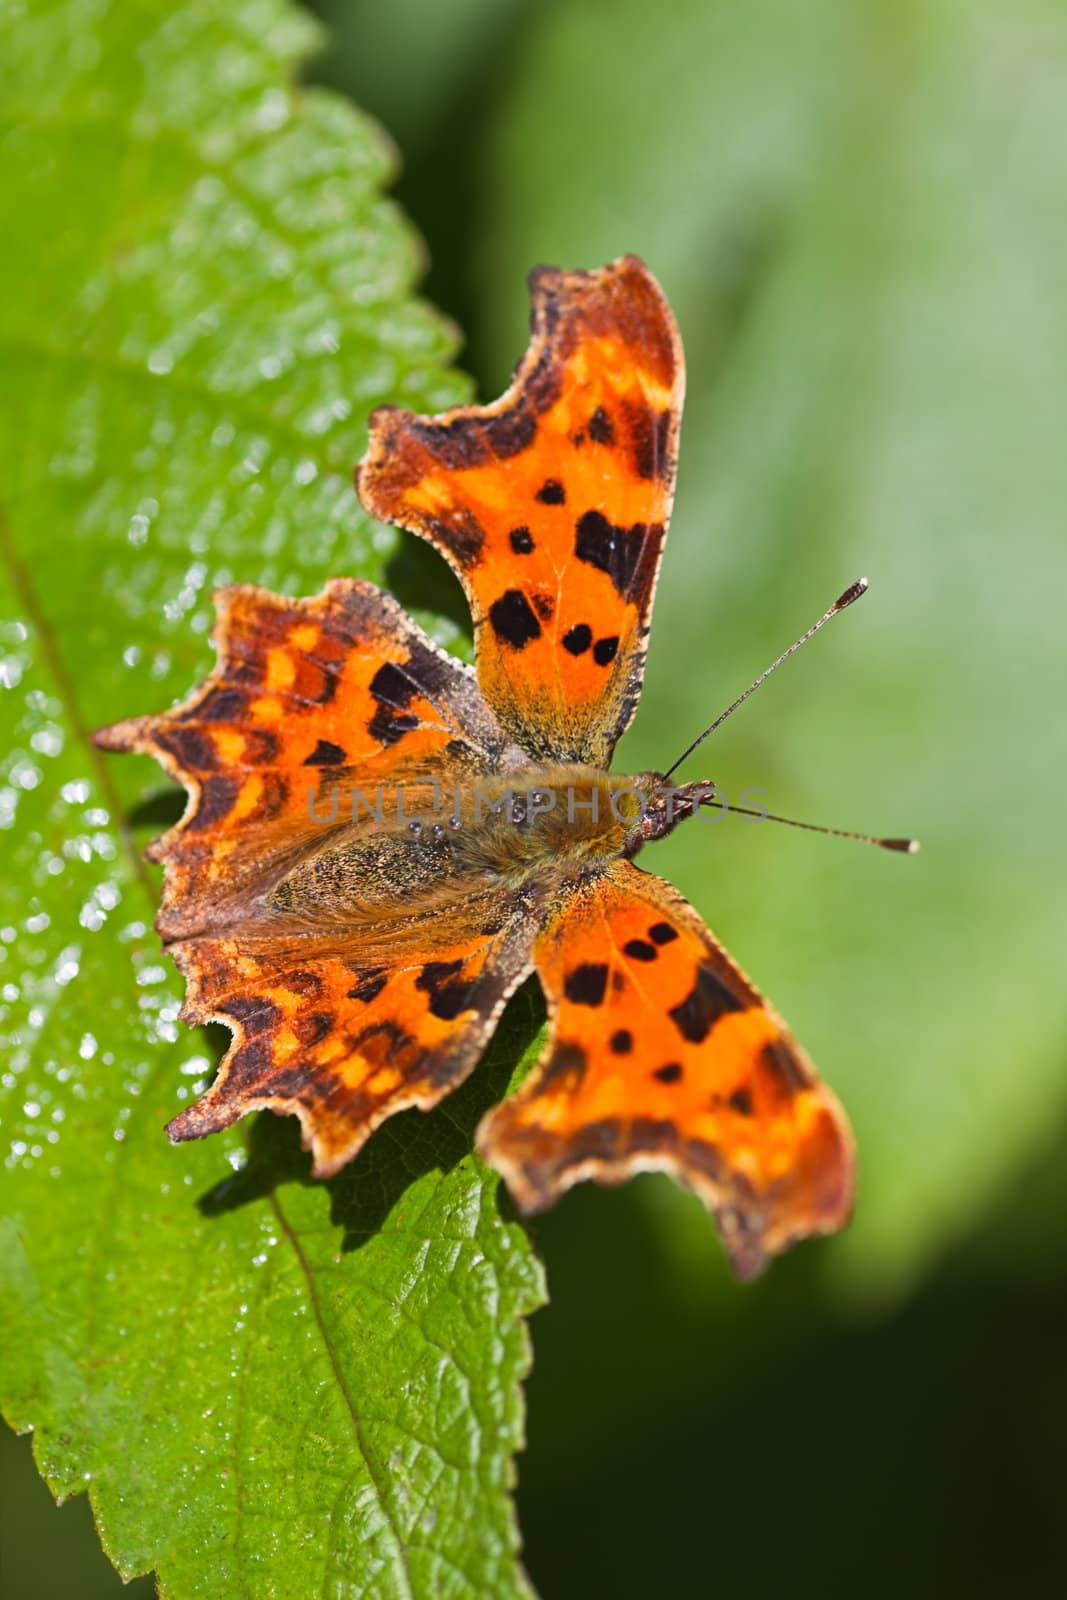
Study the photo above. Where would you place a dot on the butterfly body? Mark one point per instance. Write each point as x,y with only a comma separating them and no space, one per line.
381,844
423,847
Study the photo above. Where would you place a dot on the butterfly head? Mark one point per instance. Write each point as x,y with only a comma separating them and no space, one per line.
660,805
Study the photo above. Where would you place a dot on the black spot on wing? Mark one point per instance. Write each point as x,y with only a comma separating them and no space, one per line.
521,541
435,973
390,729
393,686
605,650
220,704
670,1072
577,640
662,933
217,795
451,1000
393,689
194,751
369,985
254,1014
552,493
639,950
449,994
600,429
325,754
740,1100
707,1001
514,620
611,549
621,1042
585,984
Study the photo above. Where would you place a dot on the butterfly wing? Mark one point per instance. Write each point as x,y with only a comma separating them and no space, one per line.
344,1032
337,1017
310,701
663,1056
551,505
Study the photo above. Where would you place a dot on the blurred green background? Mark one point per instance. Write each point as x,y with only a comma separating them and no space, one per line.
856,208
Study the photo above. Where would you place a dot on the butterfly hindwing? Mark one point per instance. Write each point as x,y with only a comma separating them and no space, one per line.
343,1031
552,504
662,1055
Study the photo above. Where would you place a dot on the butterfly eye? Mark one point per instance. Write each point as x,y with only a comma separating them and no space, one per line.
415,829
455,822
437,831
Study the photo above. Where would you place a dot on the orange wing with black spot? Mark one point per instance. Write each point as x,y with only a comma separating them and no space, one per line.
344,1035
341,1013
310,700
552,505
663,1056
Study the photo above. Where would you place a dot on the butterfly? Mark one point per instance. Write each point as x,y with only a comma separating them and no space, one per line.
380,843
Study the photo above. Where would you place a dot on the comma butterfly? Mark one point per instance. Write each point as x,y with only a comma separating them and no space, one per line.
380,844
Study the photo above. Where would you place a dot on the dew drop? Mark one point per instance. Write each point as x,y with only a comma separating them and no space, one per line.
47,741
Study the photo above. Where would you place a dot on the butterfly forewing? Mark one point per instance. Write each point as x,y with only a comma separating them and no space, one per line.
552,505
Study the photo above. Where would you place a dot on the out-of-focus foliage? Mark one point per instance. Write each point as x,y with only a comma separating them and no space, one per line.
269,1386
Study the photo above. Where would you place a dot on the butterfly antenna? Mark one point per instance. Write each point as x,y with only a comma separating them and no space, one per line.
852,593
907,847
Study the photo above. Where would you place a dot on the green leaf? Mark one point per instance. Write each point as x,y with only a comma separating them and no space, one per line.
857,213
268,1385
